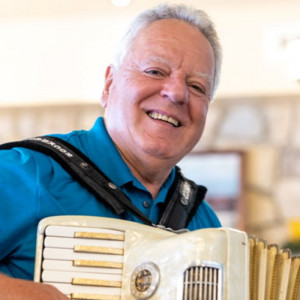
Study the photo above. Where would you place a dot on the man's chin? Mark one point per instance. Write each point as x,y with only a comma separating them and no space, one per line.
167,153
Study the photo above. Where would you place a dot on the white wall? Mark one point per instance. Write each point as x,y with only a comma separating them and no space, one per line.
54,59
54,51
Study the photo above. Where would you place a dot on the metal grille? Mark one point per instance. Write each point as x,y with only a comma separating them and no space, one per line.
202,283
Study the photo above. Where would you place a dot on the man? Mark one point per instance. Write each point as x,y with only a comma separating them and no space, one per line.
156,97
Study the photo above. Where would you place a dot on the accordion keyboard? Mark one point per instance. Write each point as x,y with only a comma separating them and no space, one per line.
84,263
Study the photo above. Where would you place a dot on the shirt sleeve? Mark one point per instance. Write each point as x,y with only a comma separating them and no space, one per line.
18,205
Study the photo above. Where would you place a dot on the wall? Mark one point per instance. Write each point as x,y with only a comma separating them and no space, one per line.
267,130
26,121
59,49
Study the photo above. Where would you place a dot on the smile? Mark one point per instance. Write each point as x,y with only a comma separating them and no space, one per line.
159,116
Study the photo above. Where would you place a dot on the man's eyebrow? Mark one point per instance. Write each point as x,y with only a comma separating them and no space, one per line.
202,75
159,59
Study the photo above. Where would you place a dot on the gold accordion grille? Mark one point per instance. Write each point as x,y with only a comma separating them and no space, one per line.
202,283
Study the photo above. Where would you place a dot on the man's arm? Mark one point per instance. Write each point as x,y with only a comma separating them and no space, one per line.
19,289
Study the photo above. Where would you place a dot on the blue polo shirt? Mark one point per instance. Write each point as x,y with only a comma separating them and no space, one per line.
34,186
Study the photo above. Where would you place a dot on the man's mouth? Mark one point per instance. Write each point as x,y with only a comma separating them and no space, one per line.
159,116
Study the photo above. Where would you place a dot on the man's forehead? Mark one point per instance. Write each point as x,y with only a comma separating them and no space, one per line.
166,30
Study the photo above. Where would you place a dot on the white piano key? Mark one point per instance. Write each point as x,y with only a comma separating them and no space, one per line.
68,231
69,254
67,265
68,289
62,242
66,277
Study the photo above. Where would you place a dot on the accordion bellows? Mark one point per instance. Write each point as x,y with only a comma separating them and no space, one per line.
110,259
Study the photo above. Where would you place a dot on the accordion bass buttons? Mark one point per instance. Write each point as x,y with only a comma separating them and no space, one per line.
144,280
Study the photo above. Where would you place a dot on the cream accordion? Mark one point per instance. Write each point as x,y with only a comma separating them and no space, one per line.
110,259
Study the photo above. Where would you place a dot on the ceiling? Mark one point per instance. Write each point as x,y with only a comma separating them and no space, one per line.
252,33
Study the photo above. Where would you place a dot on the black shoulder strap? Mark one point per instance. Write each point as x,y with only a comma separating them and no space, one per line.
183,198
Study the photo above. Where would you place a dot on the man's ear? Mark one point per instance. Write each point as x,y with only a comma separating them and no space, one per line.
109,73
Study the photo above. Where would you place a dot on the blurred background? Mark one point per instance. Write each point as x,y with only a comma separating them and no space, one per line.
53,55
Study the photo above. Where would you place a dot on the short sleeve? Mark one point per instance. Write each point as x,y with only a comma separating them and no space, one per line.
18,205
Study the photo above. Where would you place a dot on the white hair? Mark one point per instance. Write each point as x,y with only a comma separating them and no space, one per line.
191,16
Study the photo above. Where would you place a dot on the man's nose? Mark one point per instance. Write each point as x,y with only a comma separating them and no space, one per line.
175,89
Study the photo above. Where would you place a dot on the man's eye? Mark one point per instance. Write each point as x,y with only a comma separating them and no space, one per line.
198,89
154,72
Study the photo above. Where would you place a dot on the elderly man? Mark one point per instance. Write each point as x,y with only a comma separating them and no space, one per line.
156,97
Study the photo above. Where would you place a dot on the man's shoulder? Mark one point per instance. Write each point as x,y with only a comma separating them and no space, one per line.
205,217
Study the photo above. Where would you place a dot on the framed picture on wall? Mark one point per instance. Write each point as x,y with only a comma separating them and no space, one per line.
221,172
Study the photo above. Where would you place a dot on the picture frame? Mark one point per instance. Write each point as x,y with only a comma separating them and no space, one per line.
222,173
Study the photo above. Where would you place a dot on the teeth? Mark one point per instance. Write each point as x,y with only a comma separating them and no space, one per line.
158,116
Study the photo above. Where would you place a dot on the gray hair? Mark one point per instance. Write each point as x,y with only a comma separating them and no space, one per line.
191,16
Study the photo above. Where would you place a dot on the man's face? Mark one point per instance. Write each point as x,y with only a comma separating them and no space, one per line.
156,102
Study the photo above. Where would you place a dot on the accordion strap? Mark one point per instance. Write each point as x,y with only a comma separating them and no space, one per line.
182,202
183,198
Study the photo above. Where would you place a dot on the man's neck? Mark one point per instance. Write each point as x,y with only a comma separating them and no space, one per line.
152,173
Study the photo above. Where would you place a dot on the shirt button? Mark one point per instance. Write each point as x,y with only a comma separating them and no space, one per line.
146,204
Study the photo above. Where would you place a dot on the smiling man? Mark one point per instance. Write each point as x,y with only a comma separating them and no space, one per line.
156,97
156,103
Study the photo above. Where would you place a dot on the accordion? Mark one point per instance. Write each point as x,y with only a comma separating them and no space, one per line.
110,259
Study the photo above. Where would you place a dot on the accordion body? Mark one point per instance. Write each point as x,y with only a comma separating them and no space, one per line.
110,259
